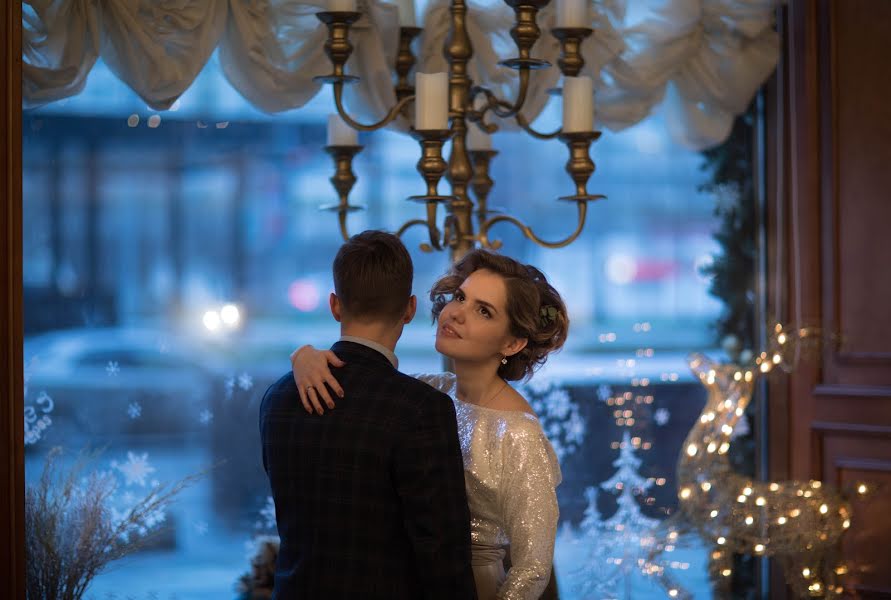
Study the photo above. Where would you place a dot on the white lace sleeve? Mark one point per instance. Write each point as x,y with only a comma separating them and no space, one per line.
529,509
444,382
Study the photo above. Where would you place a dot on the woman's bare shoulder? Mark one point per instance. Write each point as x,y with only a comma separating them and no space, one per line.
510,399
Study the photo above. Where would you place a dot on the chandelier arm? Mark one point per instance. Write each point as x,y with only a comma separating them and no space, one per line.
409,224
527,231
517,106
430,224
394,112
502,108
425,247
527,127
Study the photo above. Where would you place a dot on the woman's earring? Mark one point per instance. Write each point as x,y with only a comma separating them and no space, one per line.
504,360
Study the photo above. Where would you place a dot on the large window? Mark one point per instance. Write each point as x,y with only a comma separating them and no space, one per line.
140,229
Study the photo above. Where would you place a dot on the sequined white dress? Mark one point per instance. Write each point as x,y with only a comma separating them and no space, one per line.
511,472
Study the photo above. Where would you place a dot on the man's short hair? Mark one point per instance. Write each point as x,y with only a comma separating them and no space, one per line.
373,276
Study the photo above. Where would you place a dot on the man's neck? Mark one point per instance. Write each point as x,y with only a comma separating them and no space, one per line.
385,335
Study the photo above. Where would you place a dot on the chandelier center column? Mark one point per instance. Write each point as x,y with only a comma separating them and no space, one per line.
458,51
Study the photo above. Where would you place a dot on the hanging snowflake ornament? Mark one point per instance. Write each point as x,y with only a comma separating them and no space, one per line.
112,368
136,469
661,416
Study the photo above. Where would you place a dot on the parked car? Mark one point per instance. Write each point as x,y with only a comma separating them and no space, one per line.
109,383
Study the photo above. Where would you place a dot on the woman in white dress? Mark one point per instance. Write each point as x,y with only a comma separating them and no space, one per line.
497,320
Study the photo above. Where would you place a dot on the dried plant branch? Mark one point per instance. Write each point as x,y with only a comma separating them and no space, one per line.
74,531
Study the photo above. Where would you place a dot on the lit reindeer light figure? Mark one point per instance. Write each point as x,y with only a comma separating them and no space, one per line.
799,523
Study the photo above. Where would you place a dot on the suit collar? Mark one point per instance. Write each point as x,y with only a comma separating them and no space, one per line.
360,348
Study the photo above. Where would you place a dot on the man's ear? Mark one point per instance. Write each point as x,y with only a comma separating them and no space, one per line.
410,310
513,346
334,305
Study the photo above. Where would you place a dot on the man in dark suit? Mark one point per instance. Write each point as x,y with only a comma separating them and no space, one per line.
369,497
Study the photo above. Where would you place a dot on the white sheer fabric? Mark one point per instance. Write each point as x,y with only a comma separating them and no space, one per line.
702,60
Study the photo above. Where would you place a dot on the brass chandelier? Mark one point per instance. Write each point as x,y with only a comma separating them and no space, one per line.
452,97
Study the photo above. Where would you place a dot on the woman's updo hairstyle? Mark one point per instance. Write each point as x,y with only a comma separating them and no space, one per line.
535,309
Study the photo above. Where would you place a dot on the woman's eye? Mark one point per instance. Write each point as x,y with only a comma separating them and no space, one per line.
485,312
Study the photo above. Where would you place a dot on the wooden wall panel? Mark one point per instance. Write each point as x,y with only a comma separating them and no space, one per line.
856,194
832,418
848,455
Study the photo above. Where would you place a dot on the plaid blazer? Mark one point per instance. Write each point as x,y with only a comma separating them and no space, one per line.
369,497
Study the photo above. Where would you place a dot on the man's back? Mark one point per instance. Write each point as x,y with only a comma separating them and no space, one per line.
369,497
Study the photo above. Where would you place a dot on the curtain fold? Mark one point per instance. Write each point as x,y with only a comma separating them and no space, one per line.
700,61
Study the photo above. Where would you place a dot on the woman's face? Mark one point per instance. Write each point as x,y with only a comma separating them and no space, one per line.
474,325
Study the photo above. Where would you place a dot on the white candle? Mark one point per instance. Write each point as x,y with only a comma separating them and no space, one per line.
432,101
341,134
578,104
342,5
573,13
407,13
477,139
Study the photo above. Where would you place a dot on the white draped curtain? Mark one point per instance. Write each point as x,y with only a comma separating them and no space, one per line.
701,60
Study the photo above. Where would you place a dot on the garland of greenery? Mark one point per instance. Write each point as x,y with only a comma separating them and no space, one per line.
730,169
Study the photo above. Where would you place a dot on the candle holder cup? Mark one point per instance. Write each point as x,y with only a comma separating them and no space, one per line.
571,38
343,181
431,165
580,167
337,46
525,33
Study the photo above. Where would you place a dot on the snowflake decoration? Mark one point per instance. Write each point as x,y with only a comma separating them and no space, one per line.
200,527
136,469
558,414
229,384
123,502
661,417
604,392
205,417
245,381
112,368
134,411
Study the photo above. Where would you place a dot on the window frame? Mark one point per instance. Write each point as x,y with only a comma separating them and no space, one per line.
12,467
